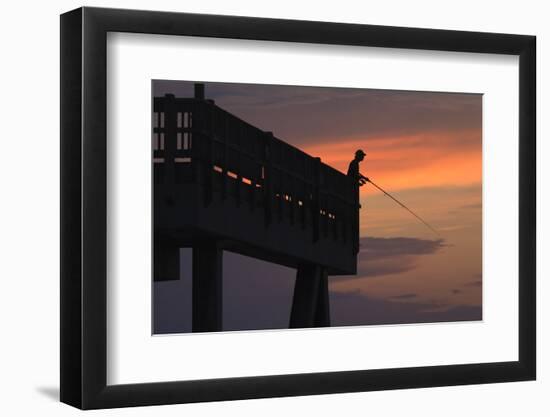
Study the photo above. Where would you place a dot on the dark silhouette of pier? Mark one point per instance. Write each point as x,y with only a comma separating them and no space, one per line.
223,184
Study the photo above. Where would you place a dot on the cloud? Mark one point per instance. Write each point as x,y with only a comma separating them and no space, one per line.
306,114
466,207
407,296
355,309
258,295
475,206
388,256
381,247
476,282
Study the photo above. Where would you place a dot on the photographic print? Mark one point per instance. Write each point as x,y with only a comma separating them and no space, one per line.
282,207
290,213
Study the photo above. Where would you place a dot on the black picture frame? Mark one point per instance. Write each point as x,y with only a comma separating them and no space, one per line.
84,207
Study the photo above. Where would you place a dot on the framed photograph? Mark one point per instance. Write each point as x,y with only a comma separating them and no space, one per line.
257,208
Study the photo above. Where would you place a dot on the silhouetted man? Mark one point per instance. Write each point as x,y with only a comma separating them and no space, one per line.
357,180
353,169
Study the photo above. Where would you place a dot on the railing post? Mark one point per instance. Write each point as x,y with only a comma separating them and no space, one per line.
200,127
169,123
206,166
225,152
252,194
266,183
315,203
239,179
292,197
253,160
355,208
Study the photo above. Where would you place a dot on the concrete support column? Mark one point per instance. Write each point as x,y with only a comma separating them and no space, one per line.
310,304
207,287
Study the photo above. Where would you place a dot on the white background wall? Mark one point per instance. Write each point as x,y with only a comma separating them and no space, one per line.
29,190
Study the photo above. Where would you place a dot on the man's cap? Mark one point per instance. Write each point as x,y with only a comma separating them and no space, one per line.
360,152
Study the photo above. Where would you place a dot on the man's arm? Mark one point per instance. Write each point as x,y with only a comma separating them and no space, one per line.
362,179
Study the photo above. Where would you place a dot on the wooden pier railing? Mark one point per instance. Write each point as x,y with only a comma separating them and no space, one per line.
195,141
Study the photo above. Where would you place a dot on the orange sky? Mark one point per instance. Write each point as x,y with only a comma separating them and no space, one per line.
416,161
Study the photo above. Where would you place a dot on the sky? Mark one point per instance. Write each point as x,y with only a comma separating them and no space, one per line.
425,148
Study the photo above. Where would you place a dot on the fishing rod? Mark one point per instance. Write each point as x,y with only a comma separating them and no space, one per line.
401,204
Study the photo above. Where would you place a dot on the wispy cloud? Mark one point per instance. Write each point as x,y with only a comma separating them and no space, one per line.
381,247
476,282
407,296
388,256
358,111
355,308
